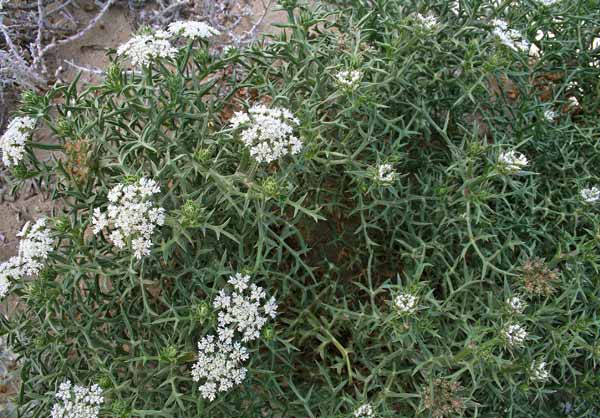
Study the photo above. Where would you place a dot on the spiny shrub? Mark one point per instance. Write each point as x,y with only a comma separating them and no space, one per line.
388,209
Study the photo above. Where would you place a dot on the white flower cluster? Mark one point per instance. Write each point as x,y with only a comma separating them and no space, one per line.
8,271
192,29
548,2
220,363
364,411
427,21
141,49
512,38
516,304
539,372
76,401
590,194
131,215
12,142
268,133
406,303
515,334
34,248
573,101
385,173
348,79
245,311
513,161
550,115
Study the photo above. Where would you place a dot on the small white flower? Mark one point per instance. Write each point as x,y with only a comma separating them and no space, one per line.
539,372
9,270
267,133
74,401
239,281
226,334
270,308
406,303
141,49
548,2
117,239
500,24
454,6
223,300
385,173
550,115
590,194
364,411
100,221
348,79
131,215
512,38
515,334
513,161
516,304
192,30
428,21
141,247
12,142
573,101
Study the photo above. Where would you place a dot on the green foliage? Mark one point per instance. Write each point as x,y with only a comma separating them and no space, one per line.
317,229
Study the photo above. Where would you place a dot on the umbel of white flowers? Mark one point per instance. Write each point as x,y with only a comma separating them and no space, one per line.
74,401
385,173
12,142
34,247
428,21
364,411
142,49
590,194
192,30
241,314
406,303
515,334
512,161
538,371
267,132
512,38
131,215
348,78
516,304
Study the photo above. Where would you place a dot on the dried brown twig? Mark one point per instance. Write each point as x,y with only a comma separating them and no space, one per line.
30,31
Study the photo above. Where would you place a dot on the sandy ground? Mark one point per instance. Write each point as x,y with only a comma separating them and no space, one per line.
88,52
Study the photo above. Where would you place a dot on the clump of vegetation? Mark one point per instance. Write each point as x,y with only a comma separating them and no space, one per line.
538,279
329,223
442,399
